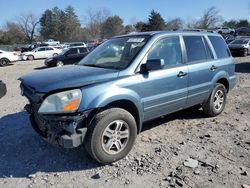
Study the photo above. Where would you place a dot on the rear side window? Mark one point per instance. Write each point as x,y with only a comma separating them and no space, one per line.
220,47
73,51
83,50
195,48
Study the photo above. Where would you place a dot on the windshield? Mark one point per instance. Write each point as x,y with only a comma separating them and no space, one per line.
240,41
115,53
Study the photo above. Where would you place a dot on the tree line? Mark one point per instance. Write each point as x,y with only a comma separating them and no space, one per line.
65,25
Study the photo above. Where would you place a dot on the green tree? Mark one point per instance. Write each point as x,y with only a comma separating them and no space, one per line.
230,24
243,23
141,26
155,22
62,25
112,26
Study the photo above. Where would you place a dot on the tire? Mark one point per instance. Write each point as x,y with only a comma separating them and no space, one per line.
245,52
55,54
216,102
30,57
104,148
59,63
4,61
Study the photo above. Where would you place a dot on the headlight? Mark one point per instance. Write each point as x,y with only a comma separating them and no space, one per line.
63,102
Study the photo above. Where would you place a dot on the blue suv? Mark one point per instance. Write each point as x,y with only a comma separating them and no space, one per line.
104,100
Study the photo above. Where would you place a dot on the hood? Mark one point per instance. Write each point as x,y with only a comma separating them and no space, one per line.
72,76
236,45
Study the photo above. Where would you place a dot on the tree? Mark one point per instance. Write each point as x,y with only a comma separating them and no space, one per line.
129,29
175,24
27,24
209,19
112,26
243,23
155,22
62,25
230,24
95,20
51,24
141,26
11,34
70,29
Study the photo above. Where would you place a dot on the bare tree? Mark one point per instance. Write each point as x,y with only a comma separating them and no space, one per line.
95,19
209,19
27,25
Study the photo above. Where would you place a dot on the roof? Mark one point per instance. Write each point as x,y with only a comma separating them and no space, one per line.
151,33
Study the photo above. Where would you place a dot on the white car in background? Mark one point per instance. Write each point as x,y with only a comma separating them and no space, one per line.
41,53
225,30
7,57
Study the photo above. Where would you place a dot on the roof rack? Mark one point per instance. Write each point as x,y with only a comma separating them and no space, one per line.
199,30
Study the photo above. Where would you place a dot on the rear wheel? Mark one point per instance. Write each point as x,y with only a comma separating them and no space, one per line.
111,135
55,54
4,61
30,57
216,102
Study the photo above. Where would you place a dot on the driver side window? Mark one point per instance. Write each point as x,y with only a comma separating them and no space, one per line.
168,49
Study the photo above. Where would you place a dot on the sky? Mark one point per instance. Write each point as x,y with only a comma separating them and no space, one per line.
129,10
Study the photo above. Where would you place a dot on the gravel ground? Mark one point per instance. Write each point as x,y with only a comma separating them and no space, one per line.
219,147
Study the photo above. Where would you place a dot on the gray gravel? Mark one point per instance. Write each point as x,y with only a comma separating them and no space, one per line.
221,146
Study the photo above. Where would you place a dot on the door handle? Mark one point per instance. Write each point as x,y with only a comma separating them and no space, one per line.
181,74
213,68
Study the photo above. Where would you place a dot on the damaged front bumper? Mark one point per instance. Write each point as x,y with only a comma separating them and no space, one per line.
67,131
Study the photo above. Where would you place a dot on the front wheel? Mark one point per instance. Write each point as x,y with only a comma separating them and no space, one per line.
245,52
111,135
30,57
4,62
216,102
59,63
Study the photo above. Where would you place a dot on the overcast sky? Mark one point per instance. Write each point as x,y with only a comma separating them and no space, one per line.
129,10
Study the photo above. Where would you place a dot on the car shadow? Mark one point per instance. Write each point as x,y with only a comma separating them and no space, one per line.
190,113
242,67
23,152
41,68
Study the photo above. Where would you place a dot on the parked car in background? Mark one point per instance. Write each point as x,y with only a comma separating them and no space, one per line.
240,46
3,89
229,38
8,57
71,55
103,101
51,42
40,53
74,44
32,47
225,30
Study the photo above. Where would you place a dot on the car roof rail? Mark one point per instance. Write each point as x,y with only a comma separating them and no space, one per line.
198,30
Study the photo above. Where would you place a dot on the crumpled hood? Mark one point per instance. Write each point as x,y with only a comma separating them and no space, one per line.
44,81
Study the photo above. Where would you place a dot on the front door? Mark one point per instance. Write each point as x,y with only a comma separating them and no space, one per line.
165,90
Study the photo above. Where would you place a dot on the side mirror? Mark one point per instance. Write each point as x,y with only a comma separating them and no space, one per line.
153,64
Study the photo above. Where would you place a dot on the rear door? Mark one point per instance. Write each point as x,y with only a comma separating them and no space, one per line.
165,90
201,68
